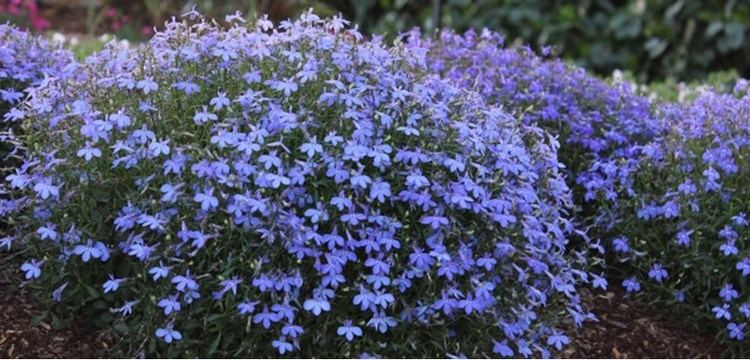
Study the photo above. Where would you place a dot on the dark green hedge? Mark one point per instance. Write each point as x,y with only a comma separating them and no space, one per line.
654,39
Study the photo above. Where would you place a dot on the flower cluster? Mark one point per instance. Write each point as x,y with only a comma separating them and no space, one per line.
295,189
598,123
26,61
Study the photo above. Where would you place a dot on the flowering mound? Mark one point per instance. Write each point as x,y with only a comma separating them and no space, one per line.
253,191
668,183
598,123
25,61
685,236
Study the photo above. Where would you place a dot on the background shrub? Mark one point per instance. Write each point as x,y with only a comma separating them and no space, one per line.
258,191
655,39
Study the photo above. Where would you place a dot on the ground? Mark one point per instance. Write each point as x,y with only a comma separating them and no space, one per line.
20,339
627,328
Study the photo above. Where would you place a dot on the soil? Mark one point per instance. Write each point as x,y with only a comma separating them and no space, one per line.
628,328
23,337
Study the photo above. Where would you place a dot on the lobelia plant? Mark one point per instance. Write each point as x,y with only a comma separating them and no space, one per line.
253,190
663,182
685,236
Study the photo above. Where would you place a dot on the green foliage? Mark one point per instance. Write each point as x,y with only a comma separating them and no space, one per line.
655,39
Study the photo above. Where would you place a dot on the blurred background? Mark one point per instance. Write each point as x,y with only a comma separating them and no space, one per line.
650,40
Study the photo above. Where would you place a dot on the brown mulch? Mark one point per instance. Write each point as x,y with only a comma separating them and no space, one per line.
23,337
628,328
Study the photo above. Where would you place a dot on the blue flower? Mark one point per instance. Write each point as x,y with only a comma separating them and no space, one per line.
722,312
170,304
168,334
728,293
349,331
89,152
265,318
57,293
282,345
729,248
206,199
88,251
158,272
736,332
247,307
126,308
184,282
679,295
558,340
631,284
32,268
621,244
502,348
381,322
745,310
148,85
599,281
44,189
317,306
112,284
657,273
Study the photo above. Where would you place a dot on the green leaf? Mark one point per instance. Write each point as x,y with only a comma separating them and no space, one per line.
214,345
120,327
37,319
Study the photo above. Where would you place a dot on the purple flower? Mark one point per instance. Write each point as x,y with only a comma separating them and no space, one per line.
599,281
558,340
317,306
247,307
170,304
148,85
502,349
349,331
722,312
32,268
265,318
631,284
728,293
90,250
206,199
657,273
736,332
168,334
112,284
185,282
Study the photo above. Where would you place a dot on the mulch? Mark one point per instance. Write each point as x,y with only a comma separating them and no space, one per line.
627,328
21,336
